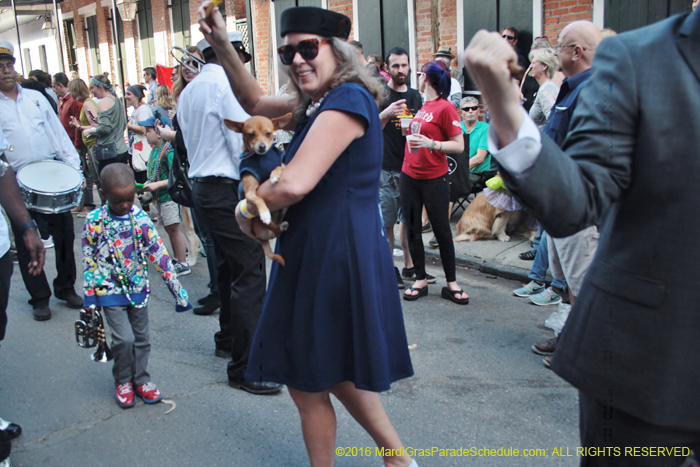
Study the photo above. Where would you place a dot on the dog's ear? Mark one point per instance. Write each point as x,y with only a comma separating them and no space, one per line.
235,126
281,122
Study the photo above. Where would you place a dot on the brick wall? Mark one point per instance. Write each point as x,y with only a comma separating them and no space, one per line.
344,7
104,38
424,30
436,25
261,34
448,26
559,13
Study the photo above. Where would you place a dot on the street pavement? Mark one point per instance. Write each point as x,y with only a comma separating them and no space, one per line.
476,385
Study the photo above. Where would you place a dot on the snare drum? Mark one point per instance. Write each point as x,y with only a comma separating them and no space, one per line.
50,187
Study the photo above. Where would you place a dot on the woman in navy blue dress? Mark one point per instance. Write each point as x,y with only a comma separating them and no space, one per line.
328,325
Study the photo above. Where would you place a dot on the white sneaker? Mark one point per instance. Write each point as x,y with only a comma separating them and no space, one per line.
48,243
6,463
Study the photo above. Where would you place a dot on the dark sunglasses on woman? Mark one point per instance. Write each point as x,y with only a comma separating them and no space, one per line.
308,49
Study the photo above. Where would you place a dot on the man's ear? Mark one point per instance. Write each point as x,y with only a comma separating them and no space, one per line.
281,122
235,126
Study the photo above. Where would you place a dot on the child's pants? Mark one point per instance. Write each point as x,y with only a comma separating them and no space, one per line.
130,344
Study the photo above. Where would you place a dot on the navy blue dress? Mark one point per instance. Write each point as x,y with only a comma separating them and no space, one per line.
333,313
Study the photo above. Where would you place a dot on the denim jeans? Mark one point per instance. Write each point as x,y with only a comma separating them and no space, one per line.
541,263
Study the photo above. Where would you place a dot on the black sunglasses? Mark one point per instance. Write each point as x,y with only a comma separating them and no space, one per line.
510,38
308,49
467,109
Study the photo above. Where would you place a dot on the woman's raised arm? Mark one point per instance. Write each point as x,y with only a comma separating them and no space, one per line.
244,86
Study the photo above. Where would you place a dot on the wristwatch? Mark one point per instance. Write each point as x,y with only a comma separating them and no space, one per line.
28,225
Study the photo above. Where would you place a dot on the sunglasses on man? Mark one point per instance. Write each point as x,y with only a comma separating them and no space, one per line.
467,109
506,36
308,49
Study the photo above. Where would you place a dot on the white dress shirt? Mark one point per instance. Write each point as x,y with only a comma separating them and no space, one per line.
520,156
212,149
4,232
35,131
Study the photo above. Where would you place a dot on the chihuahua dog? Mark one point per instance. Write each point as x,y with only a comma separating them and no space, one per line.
260,161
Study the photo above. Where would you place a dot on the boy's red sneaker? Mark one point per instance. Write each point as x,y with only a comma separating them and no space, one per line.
125,395
149,393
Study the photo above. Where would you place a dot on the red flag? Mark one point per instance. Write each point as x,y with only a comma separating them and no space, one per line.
164,75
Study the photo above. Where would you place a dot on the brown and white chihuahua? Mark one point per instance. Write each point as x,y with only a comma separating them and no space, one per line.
258,138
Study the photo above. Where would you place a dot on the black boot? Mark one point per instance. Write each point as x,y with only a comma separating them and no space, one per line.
210,304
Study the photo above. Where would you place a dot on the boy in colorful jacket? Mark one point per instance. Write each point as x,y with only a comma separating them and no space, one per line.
117,241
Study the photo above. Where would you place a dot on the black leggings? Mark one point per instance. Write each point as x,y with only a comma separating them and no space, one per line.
434,193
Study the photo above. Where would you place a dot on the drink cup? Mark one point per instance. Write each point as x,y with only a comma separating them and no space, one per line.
405,125
410,138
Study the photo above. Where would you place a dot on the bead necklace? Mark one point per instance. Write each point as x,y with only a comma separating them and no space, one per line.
116,258
313,106
161,151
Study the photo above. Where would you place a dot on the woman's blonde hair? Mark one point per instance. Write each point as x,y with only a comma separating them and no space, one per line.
349,70
180,83
78,90
163,97
546,57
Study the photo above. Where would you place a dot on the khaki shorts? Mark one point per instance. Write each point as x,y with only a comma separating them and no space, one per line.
169,213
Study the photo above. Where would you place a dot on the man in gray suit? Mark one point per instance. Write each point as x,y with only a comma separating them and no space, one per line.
630,162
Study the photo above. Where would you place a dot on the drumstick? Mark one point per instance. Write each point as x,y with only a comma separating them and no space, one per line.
210,7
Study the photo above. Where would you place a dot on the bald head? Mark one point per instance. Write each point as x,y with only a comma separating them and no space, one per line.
578,42
116,176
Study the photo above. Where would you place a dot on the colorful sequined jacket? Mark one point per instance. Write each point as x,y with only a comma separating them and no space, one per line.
102,268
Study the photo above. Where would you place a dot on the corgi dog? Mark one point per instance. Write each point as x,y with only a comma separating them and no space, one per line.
260,161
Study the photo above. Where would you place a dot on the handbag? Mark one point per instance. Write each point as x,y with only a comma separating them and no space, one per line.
458,174
179,186
105,152
140,153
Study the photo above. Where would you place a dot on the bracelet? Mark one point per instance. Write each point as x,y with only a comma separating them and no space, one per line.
432,144
28,225
243,209
440,147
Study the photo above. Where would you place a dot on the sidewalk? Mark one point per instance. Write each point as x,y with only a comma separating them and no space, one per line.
487,256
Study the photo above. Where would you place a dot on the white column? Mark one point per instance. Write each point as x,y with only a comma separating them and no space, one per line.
275,78
460,33
355,28
537,18
412,46
599,13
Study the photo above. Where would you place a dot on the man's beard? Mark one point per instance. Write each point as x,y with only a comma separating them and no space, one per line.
399,79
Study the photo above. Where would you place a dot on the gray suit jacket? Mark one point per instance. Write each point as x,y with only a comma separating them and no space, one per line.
633,162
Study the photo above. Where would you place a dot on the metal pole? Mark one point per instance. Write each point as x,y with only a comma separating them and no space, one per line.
19,44
120,67
58,31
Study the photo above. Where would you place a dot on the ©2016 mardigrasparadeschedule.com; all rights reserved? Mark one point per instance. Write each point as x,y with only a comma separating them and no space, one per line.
435,451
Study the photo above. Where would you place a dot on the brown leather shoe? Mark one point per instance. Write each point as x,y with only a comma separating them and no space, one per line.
546,347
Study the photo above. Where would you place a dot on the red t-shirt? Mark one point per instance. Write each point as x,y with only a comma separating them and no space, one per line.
440,122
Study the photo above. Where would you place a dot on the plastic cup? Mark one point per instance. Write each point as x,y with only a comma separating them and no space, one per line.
405,125
410,138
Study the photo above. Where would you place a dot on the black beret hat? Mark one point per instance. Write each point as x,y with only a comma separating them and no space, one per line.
314,20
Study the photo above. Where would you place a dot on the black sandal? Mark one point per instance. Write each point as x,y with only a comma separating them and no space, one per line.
451,295
422,292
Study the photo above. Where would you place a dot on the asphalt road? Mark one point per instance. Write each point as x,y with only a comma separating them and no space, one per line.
476,385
